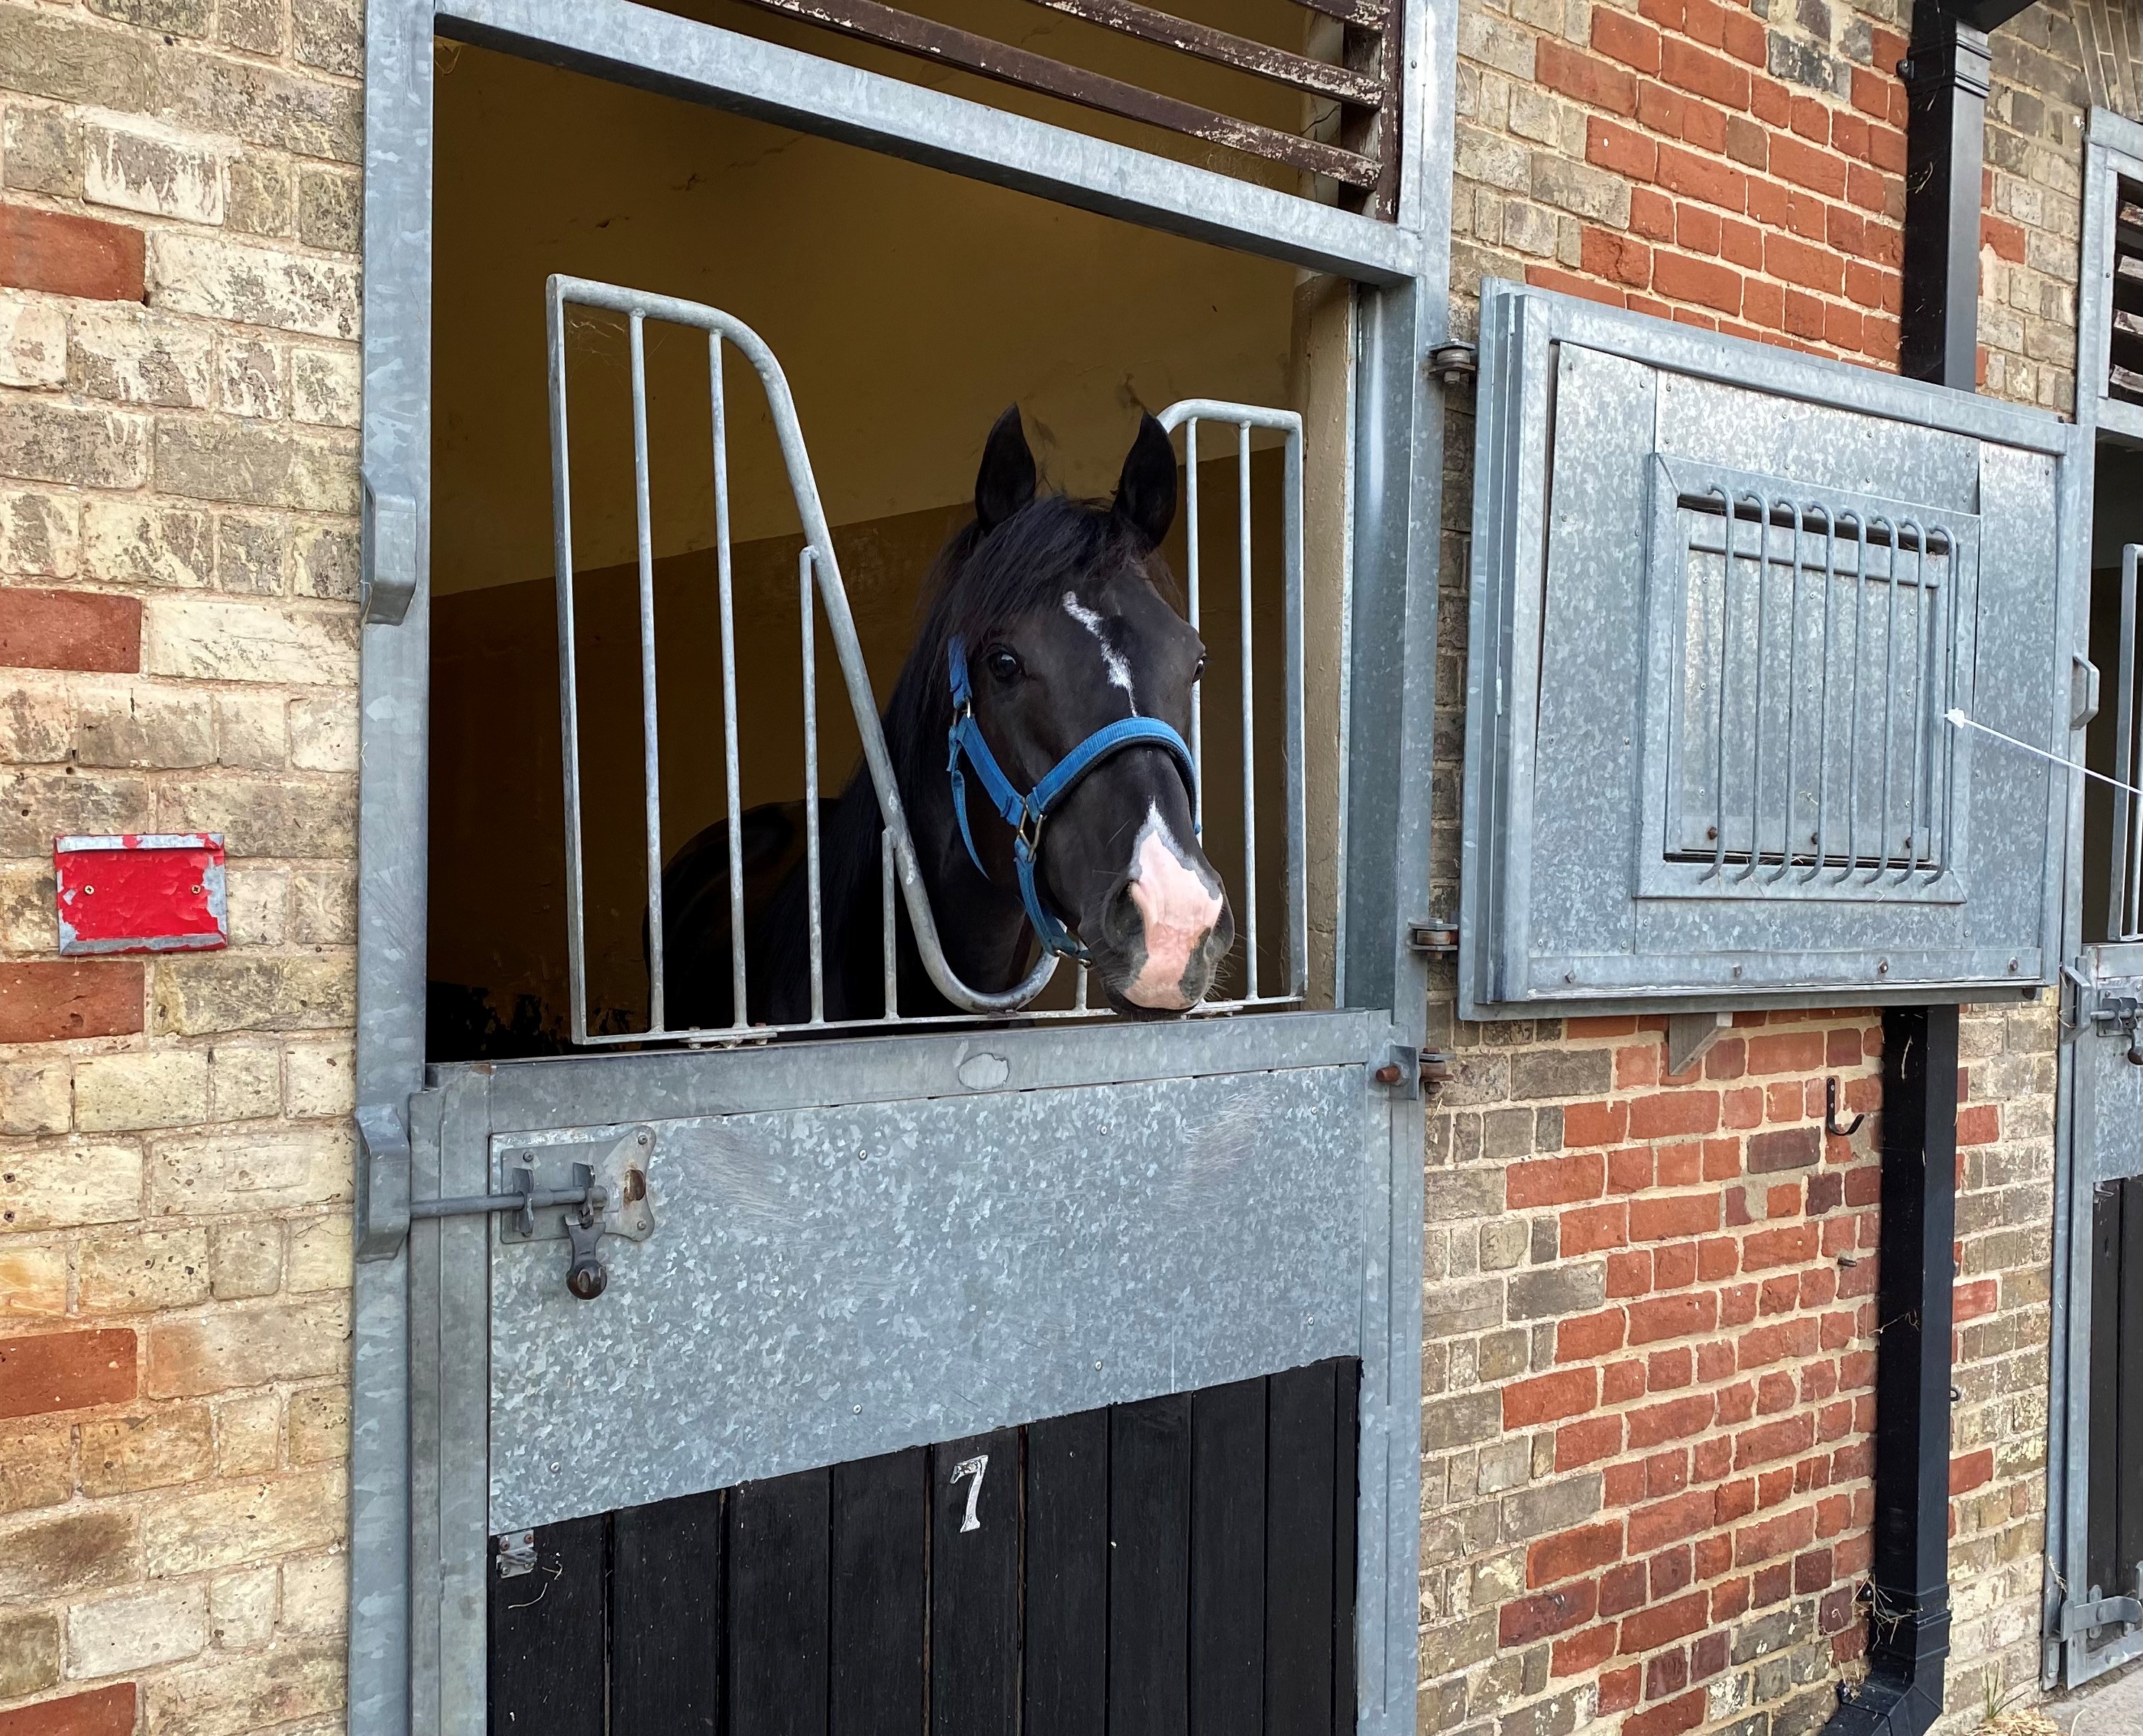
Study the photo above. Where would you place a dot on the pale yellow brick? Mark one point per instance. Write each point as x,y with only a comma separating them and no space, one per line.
27,920
250,1171
262,190
61,1186
245,1260
141,1274
243,1525
138,724
316,1594
323,907
160,1088
37,1466
241,1608
320,1079
251,734
249,554
172,1443
236,641
259,905
132,355
194,997
29,1651
40,533
319,1256
248,1435
250,381
33,1280
136,1629
231,1349
327,563
323,734
46,439
319,1426
278,1686
138,165
35,1096
37,725
37,804
40,151
254,285
48,1555
132,544
325,386
32,341
244,1083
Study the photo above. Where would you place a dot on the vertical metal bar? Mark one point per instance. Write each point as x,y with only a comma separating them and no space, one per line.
1945,675
1250,722
1191,586
651,757
1821,837
2121,904
569,692
1079,990
1853,732
803,586
739,1014
1793,694
1298,744
890,938
1920,678
1756,678
1726,660
1882,867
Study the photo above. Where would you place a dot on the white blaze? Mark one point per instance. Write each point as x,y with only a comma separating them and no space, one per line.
1179,906
1120,672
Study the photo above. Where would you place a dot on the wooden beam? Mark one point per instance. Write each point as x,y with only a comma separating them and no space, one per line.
870,21
1318,77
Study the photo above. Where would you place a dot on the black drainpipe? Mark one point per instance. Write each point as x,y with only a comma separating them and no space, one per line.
1947,79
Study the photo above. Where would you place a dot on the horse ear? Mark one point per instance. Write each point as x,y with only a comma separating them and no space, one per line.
1006,482
1145,493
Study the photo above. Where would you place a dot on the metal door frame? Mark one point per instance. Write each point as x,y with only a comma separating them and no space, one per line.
2113,146
1401,270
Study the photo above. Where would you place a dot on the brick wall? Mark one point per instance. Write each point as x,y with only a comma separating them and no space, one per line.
178,397
1645,1505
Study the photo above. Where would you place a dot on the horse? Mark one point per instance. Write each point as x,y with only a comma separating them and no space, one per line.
1046,634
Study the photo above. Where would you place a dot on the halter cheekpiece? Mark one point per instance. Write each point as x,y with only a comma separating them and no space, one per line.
1025,814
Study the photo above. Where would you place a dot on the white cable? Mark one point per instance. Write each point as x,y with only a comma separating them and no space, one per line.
1957,720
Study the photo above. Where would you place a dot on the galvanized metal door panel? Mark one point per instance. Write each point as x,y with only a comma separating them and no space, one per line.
828,1283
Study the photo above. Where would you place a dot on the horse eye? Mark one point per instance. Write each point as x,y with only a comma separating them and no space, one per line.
1199,673
1002,665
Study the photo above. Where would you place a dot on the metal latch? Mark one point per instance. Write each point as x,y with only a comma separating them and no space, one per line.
2124,1013
1409,1068
604,1191
2103,1612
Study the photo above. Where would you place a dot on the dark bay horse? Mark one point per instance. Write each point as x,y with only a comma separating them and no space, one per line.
1058,608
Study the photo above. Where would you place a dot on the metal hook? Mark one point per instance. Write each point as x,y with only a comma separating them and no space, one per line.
1830,1113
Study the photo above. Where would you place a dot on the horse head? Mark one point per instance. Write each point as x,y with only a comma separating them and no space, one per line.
1054,611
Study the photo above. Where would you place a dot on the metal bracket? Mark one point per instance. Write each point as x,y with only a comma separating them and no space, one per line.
1431,937
389,553
517,1554
1402,1071
2083,690
382,1213
1830,1113
1454,362
1689,1034
2080,1617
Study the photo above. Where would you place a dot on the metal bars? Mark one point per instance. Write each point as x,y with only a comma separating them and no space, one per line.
2125,906
819,585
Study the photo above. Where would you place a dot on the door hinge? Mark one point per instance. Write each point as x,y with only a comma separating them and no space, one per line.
1454,362
2080,1616
517,1554
1431,937
1408,1069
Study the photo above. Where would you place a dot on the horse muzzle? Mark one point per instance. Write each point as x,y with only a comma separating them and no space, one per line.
1167,928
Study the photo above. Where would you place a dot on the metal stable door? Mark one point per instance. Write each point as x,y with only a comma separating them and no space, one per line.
2096,1619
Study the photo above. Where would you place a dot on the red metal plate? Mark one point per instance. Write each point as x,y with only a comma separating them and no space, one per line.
141,893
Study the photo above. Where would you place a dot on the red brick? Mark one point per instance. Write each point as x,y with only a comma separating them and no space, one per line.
1871,94
1669,1371
1621,37
45,1000
1689,68
1651,215
1568,1553
1810,119
1618,1689
65,1371
1768,100
1630,1169
1785,1148
65,255
1586,1336
70,630
1547,1397
1791,1052
1622,1382
1703,126
1666,1674
1981,1125
1610,146
1577,1652
1849,133
1786,1247
1588,1229
1778,1440
1886,145
1813,268
1676,1420
1527,1619
1594,1124
102,1711
1971,1300
1556,1180
1865,188
1807,166
1665,1622
1684,1214
1697,229
1629,1275
1658,1318
1743,37
1702,177
1702,20
1619,258
1580,75
1968,1471
1774,1539
1587,1442
1567,283
1667,1113
1669,1522
1811,1572
1666,1473
1742,243
1765,303
1622,1485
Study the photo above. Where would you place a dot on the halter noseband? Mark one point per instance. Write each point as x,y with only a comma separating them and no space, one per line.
1025,814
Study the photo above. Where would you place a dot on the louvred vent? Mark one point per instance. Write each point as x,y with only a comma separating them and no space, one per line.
2125,374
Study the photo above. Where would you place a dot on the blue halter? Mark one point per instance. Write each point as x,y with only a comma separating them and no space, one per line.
1025,814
